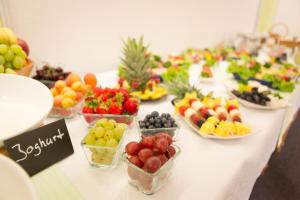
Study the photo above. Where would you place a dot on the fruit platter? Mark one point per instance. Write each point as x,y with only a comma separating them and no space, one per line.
281,77
149,162
112,103
102,144
14,54
212,119
206,75
154,123
49,74
69,94
135,72
255,95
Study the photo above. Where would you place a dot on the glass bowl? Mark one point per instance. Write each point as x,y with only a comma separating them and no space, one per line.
103,156
173,131
91,119
60,112
146,182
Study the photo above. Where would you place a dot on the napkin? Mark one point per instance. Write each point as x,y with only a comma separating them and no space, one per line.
52,184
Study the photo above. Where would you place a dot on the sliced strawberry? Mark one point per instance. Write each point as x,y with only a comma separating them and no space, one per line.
222,117
98,91
191,101
204,112
104,97
231,107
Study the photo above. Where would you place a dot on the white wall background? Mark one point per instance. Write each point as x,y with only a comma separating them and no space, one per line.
86,35
288,12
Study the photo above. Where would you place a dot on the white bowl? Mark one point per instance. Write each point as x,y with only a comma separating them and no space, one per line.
24,104
15,184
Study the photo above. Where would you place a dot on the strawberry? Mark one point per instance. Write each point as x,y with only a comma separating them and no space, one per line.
182,109
134,85
131,106
100,110
114,109
204,112
222,117
104,97
236,118
231,107
98,91
195,118
125,94
87,109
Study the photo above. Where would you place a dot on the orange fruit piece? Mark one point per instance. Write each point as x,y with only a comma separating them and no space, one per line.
72,78
90,79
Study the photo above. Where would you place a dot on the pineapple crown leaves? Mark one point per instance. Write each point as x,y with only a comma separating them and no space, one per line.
180,85
136,61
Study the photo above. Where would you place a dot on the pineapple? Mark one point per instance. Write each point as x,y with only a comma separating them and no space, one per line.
136,64
180,85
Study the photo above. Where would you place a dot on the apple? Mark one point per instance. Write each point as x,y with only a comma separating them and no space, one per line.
24,45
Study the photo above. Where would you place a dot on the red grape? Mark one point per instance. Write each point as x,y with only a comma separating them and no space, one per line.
136,161
163,158
132,148
165,135
147,142
144,154
161,144
152,164
171,151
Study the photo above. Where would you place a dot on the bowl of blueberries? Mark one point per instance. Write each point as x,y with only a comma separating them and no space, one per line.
154,122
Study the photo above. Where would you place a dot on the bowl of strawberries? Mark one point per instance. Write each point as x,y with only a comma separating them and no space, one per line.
149,162
110,103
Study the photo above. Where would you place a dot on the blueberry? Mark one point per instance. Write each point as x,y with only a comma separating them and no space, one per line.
168,116
163,115
151,127
151,120
174,124
157,125
155,114
163,120
148,117
157,120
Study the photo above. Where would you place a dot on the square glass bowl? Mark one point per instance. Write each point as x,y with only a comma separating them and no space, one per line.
91,119
173,131
60,112
148,183
103,156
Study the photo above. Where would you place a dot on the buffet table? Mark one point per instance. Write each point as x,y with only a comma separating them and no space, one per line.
206,169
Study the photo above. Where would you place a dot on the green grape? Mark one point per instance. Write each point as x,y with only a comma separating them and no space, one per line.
110,124
9,55
90,139
108,134
118,132
92,131
18,62
100,142
8,65
101,122
9,71
16,48
99,132
2,69
2,60
22,54
112,143
3,48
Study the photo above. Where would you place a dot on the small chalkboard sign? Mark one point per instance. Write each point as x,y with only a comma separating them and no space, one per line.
40,148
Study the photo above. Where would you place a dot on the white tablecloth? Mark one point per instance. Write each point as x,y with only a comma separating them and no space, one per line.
205,169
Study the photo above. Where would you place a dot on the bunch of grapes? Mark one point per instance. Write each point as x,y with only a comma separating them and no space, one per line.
107,133
12,57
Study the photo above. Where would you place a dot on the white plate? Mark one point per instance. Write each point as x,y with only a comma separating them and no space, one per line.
230,85
206,80
15,184
196,129
24,103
